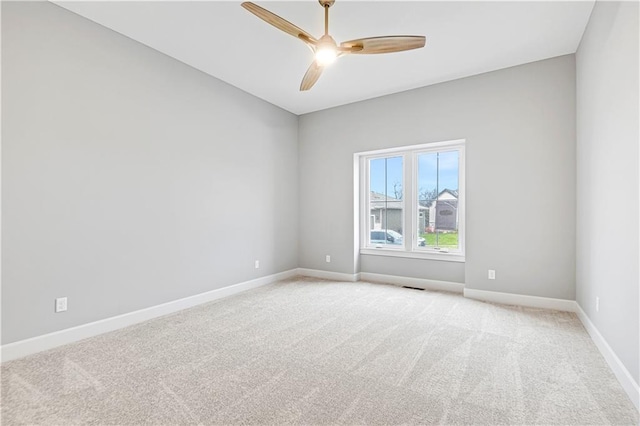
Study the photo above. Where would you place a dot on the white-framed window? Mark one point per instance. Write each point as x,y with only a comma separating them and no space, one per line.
412,201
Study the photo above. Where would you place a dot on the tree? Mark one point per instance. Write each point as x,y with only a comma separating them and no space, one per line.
397,190
427,196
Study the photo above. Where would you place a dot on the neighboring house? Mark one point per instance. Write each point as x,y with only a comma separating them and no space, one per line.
443,211
386,213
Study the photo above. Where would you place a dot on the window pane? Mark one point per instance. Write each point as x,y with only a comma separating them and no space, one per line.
438,200
385,201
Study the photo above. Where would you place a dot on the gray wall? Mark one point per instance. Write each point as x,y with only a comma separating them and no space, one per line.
128,178
607,177
519,124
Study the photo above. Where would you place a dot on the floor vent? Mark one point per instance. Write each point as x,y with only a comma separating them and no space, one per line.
412,288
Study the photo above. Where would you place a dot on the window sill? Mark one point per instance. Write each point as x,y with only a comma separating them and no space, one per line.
444,257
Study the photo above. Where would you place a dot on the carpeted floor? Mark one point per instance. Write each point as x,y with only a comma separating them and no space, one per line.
309,351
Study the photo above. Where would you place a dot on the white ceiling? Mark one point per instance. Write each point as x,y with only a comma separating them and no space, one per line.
463,39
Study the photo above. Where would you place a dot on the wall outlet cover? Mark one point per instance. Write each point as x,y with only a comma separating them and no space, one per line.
61,304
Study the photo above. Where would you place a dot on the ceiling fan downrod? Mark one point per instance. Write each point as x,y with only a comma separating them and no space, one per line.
326,4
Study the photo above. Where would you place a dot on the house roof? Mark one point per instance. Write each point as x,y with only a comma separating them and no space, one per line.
381,201
453,192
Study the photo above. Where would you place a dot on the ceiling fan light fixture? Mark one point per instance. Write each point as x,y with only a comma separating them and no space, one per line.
326,51
326,55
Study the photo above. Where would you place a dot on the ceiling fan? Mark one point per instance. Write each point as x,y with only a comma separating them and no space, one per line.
326,49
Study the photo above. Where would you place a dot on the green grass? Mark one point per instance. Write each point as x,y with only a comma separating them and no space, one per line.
449,240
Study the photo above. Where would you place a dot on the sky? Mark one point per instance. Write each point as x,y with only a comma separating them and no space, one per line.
435,171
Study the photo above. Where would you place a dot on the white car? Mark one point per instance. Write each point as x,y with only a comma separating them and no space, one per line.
389,236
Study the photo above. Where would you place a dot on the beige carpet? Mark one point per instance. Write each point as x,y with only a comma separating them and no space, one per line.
317,352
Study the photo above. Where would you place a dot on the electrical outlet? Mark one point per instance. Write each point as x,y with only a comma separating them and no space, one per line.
327,259
597,303
492,274
61,304
257,264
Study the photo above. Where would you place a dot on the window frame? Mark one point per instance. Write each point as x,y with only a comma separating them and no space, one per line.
410,201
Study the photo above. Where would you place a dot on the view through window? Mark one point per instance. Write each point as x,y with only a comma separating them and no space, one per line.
438,193
386,205
415,192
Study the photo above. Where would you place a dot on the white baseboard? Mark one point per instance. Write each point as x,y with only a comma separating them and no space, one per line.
412,282
328,275
48,341
521,300
622,374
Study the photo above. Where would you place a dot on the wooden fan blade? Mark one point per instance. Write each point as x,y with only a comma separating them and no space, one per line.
311,76
279,23
386,44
